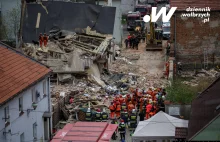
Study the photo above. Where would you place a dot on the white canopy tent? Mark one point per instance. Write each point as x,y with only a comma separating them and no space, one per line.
159,127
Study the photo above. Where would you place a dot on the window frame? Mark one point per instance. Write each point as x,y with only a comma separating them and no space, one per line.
20,104
34,95
35,130
7,116
22,137
44,87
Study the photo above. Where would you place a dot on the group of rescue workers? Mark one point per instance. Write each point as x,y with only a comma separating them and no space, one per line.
43,39
126,109
132,41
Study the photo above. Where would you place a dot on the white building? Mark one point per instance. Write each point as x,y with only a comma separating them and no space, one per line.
118,31
25,108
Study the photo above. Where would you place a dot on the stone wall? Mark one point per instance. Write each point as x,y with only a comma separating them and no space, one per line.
192,36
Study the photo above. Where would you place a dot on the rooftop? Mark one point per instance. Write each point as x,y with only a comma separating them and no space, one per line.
17,72
182,5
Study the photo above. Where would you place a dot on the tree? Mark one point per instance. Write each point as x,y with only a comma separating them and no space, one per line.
11,24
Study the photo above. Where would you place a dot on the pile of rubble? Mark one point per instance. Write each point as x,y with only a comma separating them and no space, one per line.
198,75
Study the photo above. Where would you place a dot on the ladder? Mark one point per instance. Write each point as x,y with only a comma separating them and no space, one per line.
205,58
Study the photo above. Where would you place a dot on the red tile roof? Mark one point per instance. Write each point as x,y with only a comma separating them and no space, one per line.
17,72
183,4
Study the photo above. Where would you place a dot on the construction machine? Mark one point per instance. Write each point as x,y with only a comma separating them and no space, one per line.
154,36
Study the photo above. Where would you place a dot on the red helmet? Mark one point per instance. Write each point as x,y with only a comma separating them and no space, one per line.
98,110
118,103
122,120
125,110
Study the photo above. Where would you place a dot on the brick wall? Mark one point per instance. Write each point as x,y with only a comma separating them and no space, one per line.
192,36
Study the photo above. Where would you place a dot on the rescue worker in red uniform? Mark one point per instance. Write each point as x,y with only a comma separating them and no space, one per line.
121,99
141,103
148,109
134,100
45,39
127,100
130,107
41,39
118,110
112,110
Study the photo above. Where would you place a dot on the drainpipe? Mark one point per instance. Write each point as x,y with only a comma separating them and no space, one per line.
49,109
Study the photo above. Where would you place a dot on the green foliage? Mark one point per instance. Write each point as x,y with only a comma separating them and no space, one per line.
180,93
184,94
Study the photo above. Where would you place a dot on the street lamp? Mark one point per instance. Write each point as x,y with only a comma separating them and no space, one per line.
34,105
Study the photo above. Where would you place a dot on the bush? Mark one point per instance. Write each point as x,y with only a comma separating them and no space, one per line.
184,94
180,93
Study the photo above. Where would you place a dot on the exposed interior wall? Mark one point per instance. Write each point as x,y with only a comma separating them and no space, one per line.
192,36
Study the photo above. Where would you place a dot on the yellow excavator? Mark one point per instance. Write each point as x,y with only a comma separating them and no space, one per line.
154,37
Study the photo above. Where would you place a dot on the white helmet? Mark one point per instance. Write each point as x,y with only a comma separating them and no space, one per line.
133,110
88,110
163,97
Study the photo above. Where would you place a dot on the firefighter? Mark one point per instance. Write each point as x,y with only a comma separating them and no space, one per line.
124,116
134,100
130,107
114,136
88,115
152,111
141,101
148,109
121,99
123,107
167,69
127,100
122,129
98,117
133,119
112,109
45,39
104,116
41,39
118,110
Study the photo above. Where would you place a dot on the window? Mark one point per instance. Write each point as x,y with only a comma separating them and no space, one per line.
22,137
34,96
35,130
7,121
141,9
44,88
21,104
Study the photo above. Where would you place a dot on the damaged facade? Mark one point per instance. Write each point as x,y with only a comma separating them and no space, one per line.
197,43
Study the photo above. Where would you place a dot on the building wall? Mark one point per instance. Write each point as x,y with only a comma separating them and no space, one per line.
192,36
127,5
24,123
117,33
210,133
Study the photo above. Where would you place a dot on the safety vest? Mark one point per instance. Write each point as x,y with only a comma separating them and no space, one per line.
88,116
104,116
121,128
98,115
133,118
123,107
